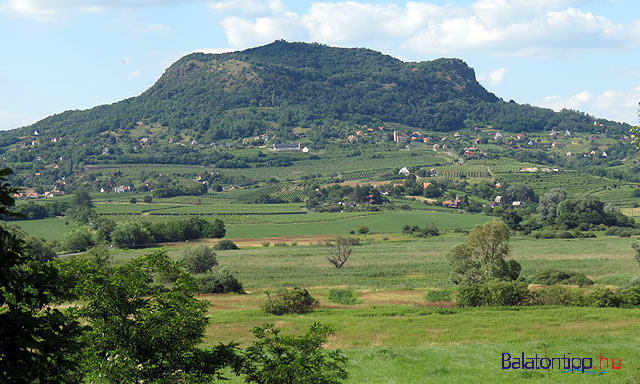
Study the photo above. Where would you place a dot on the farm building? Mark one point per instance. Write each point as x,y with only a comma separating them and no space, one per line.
287,147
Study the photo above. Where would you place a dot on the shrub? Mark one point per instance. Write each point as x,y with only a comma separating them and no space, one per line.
493,293
439,295
133,200
559,295
554,276
219,281
266,244
295,300
131,234
77,241
362,229
634,282
469,296
224,245
344,296
199,259
603,297
503,293
630,297
147,199
427,231
293,359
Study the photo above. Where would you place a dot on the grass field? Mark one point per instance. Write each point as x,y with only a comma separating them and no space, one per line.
378,223
48,229
396,335
414,343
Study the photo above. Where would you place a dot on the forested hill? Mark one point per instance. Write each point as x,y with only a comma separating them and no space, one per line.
288,88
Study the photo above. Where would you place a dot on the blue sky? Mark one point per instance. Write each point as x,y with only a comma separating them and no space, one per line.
57,55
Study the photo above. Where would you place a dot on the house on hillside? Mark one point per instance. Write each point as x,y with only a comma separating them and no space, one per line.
399,137
287,147
404,171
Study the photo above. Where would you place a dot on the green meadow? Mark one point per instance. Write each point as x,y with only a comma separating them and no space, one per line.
48,229
397,331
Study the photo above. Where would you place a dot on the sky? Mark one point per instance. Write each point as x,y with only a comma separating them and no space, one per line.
57,55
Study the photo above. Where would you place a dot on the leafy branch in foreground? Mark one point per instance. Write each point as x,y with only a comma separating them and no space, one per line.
39,342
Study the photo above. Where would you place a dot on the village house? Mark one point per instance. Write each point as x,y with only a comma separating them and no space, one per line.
399,137
404,171
122,189
287,147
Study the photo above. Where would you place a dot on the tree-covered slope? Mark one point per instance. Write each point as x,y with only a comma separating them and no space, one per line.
281,86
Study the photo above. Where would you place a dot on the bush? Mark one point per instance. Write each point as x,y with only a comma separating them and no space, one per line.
559,295
439,295
362,229
344,296
621,231
293,359
295,300
147,199
634,282
554,276
219,281
224,245
493,293
77,241
131,234
199,259
133,200
427,231
266,244
564,234
603,297
630,297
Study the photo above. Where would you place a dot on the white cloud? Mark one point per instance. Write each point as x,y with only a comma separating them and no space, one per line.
48,10
158,28
244,33
617,105
499,27
248,7
494,78
134,74
497,77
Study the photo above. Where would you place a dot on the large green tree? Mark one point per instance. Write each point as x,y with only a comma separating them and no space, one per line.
482,257
549,203
39,342
141,332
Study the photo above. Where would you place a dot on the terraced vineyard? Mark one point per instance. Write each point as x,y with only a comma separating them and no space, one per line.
455,172
289,192
230,209
129,209
376,174
622,196
572,182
